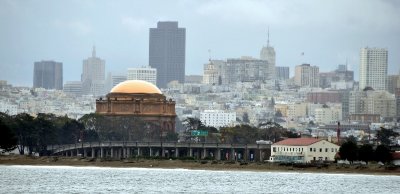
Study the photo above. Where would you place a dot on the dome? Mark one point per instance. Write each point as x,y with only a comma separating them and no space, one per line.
136,87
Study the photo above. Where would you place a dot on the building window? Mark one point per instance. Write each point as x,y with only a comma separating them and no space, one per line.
315,150
310,149
332,149
320,149
274,149
326,149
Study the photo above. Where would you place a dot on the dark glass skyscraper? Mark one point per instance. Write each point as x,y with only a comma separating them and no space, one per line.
48,75
167,52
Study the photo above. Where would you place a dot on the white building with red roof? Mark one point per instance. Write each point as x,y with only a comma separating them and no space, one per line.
303,150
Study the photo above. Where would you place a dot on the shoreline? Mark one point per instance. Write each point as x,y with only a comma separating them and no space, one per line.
371,169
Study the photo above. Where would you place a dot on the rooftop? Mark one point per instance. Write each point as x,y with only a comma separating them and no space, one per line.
297,141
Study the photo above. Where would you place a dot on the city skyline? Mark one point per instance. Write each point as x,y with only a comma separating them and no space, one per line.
48,30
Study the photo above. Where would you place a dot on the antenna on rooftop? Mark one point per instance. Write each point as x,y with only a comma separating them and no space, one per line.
268,38
209,55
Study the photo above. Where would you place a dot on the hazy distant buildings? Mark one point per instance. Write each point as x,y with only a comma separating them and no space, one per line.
143,73
167,52
193,79
282,73
372,102
73,88
48,75
397,95
246,69
93,75
373,68
341,78
306,75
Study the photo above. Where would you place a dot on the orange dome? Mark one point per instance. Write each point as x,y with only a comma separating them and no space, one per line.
136,86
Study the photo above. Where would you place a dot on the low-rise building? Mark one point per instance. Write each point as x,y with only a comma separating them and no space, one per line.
217,118
303,150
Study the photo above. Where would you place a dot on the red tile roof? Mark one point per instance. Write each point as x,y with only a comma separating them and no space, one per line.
396,155
297,141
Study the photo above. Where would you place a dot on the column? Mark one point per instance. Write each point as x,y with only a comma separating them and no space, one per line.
218,154
138,151
232,155
72,153
84,152
112,152
190,152
150,152
162,152
128,152
93,152
176,152
101,153
204,153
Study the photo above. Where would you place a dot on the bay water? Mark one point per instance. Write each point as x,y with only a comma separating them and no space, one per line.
68,179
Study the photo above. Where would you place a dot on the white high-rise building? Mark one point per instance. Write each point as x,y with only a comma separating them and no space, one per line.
373,68
93,75
217,118
145,73
268,53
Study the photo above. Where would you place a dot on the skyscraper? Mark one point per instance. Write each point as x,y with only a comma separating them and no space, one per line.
167,52
93,75
48,75
268,53
373,68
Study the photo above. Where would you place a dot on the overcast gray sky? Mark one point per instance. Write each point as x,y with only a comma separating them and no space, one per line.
328,32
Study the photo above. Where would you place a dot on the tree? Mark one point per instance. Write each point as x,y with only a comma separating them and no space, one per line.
348,151
171,137
8,140
366,153
45,132
243,134
382,154
386,136
25,131
271,131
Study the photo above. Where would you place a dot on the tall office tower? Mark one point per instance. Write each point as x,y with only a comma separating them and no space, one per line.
373,68
93,75
268,53
306,75
282,73
145,73
167,52
48,75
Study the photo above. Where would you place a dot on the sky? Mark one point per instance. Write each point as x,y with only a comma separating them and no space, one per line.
329,32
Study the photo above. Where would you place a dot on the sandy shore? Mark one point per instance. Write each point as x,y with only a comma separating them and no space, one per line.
192,164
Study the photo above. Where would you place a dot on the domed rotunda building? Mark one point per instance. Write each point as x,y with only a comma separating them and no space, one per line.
139,99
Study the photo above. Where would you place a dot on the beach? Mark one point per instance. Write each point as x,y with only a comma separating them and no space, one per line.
372,168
